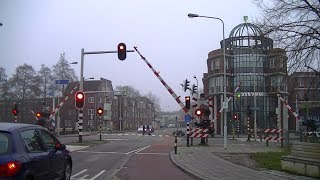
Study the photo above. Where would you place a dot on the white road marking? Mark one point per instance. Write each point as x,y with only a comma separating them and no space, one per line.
138,150
99,174
75,148
86,175
101,152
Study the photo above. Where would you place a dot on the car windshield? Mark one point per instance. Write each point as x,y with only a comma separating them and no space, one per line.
5,143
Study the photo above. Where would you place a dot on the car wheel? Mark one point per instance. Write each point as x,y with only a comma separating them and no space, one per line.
67,172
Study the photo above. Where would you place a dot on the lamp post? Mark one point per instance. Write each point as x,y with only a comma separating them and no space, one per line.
225,104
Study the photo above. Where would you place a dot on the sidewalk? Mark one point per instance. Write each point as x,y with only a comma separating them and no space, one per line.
202,163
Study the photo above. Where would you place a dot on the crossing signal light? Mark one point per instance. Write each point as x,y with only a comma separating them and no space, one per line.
122,51
15,110
235,117
79,100
38,114
187,101
198,112
100,111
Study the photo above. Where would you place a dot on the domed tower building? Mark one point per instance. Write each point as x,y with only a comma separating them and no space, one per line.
259,70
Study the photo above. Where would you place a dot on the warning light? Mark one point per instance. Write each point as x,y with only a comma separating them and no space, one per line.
79,100
187,101
100,111
38,114
122,51
198,112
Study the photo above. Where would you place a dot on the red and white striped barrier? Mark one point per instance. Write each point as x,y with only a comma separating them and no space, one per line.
289,107
163,82
199,130
199,135
228,100
273,131
61,104
276,135
199,102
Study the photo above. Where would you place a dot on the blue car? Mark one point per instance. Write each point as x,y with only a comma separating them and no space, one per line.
31,152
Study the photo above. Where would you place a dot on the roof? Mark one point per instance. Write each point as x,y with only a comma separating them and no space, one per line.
12,126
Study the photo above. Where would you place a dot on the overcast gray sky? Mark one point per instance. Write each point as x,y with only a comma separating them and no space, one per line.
37,31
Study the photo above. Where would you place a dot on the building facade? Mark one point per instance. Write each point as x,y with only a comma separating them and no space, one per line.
258,69
120,113
304,98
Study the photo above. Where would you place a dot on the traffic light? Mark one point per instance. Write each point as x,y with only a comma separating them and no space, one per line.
79,100
100,111
186,85
43,114
238,95
122,51
194,89
15,110
38,114
187,101
198,112
235,117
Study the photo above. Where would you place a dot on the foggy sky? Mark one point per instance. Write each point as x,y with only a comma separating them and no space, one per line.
37,31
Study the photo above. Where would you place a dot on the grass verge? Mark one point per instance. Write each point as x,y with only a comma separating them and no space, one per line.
270,160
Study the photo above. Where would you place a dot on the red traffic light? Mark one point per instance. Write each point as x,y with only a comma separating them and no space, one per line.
79,100
122,51
198,112
100,111
14,112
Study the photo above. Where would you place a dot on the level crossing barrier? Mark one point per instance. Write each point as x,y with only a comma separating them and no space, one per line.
199,133
273,135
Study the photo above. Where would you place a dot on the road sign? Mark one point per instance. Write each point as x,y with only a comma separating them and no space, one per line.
62,81
187,118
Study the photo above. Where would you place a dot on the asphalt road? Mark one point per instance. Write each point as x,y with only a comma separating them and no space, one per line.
126,156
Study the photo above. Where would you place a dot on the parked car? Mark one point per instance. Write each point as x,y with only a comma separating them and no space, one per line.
32,152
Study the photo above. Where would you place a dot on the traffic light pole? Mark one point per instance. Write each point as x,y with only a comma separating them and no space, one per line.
100,126
80,121
81,79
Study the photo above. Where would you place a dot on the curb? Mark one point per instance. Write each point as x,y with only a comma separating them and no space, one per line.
182,168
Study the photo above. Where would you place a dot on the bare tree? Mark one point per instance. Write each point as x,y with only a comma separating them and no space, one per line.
62,70
295,26
45,80
4,88
24,83
155,100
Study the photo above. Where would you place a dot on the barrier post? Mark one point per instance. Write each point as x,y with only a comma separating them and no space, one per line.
175,143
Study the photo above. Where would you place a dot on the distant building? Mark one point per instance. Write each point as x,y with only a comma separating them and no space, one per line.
120,111
304,97
251,60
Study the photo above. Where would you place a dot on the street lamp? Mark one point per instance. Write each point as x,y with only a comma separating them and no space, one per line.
74,62
225,104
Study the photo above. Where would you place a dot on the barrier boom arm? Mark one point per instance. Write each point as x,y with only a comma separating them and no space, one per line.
163,82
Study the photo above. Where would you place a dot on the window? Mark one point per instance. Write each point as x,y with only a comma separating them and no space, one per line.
48,140
300,81
5,143
212,65
271,62
217,61
91,99
90,112
31,140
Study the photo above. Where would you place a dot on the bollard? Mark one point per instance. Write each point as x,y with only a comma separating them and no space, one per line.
188,134
175,143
